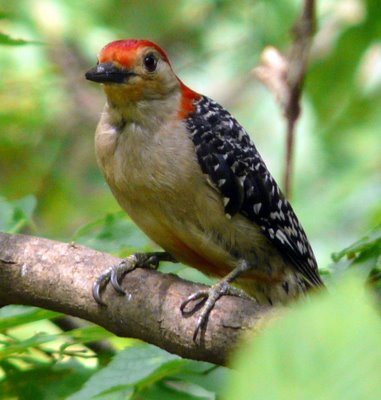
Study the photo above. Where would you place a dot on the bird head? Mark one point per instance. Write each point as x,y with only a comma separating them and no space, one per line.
134,70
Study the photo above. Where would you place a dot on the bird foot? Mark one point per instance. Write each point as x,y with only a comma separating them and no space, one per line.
206,301
115,273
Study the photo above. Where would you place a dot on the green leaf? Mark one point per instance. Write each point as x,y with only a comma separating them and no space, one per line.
114,232
50,382
16,215
325,348
20,346
9,41
173,391
136,366
90,333
364,256
371,240
86,334
12,316
208,376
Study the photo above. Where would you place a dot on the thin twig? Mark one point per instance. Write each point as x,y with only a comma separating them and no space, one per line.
303,31
284,77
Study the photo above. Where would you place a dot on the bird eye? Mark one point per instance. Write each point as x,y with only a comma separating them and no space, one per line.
150,62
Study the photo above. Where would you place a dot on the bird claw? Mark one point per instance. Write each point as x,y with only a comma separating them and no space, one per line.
119,270
208,300
99,284
115,274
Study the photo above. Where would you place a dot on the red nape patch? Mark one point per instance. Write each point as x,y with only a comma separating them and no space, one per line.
188,96
124,51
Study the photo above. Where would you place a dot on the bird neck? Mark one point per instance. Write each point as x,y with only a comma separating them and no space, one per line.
188,97
129,106
147,113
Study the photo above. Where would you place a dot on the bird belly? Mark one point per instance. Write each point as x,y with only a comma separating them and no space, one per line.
166,194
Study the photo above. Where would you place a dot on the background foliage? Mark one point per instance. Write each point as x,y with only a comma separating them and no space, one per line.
50,185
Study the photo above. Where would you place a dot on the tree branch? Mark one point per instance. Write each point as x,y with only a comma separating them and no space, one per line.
59,277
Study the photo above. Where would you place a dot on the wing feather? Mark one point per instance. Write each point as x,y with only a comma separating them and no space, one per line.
231,161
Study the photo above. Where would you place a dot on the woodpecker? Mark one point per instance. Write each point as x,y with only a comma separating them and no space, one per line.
190,177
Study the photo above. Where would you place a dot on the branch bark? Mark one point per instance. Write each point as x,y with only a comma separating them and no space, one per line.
59,277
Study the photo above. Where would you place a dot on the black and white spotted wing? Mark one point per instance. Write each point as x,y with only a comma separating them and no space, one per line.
231,161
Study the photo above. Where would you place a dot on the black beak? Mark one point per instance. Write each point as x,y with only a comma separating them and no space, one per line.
108,73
